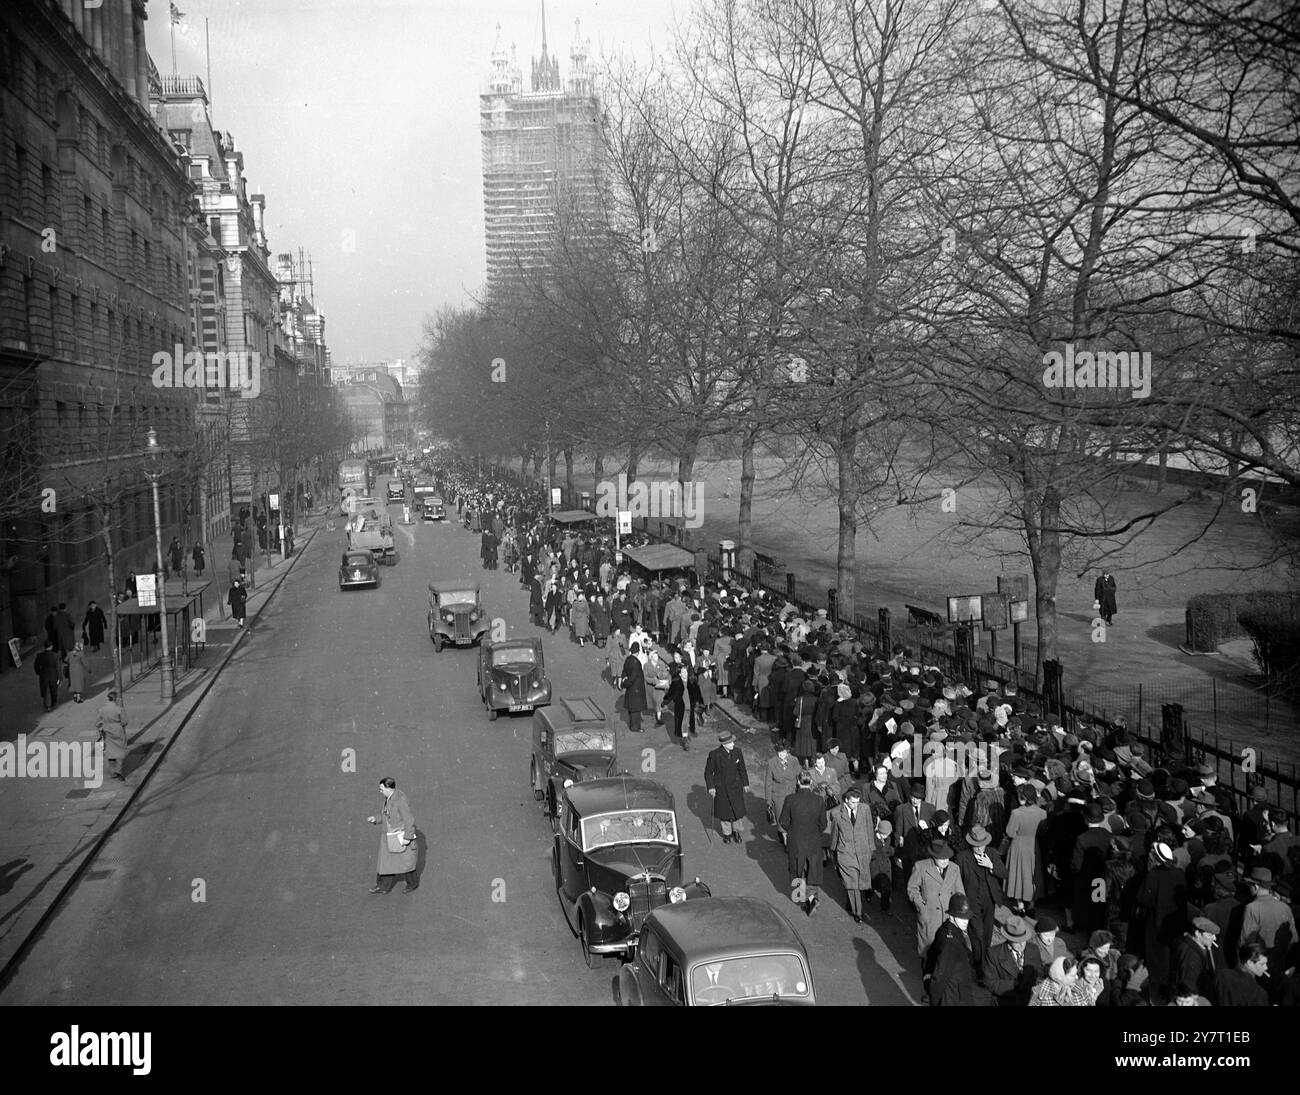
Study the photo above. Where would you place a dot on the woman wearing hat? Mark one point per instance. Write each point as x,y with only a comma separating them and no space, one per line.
845,725
930,888
782,771
1161,906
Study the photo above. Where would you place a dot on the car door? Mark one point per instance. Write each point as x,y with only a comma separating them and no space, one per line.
483,675
572,875
651,959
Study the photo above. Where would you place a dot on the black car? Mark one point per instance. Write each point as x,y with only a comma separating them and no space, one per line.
616,857
573,741
512,676
395,491
358,568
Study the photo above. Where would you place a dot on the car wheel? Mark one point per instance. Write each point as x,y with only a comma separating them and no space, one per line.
437,644
594,961
538,793
492,714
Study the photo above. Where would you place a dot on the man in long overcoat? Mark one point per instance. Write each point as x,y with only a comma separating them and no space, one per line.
982,874
396,817
853,842
950,963
1011,968
930,887
803,817
1087,868
633,683
94,625
1162,899
1103,592
111,724
49,672
727,781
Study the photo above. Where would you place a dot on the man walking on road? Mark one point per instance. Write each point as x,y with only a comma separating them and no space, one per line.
111,725
728,781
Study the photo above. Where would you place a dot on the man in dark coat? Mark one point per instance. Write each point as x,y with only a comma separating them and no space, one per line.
727,782
1103,592
913,824
791,689
1196,958
982,874
1253,829
1011,968
1088,869
1247,985
1162,901
633,683
49,671
237,598
803,819
65,630
951,963
95,625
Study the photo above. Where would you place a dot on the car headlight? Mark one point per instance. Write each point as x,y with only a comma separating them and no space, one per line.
473,616
569,783
622,902
676,895
449,618
501,686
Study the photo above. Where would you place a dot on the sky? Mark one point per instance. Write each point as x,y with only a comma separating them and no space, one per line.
358,119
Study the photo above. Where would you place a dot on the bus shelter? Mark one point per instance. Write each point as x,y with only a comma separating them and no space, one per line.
139,630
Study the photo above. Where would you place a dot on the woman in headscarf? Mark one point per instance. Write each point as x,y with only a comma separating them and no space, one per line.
1060,988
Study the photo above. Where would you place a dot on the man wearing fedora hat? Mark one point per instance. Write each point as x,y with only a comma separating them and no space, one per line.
1011,968
931,886
728,783
950,963
1269,921
982,874
1253,830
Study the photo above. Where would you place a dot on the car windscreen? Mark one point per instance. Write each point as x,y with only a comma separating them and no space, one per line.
628,827
459,597
578,741
757,977
517,655
357,559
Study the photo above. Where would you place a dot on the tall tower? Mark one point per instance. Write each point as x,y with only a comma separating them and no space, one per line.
541,157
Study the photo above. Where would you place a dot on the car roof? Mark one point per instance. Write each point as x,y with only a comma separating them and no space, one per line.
713,927
564,712
600,796
513,644
358,553
454,585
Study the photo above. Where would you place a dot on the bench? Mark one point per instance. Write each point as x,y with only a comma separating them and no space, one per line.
924,617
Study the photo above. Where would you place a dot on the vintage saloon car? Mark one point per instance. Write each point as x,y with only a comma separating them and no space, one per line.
456,612
512,676
718,950
431,508
616,858
358,569
395,491
573,741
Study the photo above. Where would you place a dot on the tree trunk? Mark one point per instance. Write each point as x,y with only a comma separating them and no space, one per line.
552,459
745,519
537,463
847,503
597,473
1045,557
568,469
106,533
633,458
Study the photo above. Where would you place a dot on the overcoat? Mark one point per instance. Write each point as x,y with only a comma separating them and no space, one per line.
724,772
803,817
952,968
633,684
1025,881
76,671
780,782
580,618
853,844
112,724
929,890
94,625
1103,592
1088,866
396,814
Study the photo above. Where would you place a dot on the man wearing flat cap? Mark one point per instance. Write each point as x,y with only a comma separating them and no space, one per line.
1196,957
728,783
1268,920
930,888
950,963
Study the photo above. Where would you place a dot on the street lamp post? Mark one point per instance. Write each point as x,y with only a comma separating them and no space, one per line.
154,469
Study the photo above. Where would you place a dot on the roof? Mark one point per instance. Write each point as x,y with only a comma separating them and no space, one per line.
513,644
711,927
358,553
172,591
600,796
453,585
573,516
661,557
565,712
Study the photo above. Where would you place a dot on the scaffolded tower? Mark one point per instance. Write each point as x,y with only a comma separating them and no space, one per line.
541,152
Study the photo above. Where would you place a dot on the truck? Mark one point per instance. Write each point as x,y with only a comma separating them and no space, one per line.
367,534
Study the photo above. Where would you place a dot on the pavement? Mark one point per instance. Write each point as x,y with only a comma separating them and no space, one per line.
238,873
51,827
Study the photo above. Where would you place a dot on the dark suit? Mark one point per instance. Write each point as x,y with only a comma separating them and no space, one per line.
1012,987
951,965
49,670
1195,967
984,891
803,817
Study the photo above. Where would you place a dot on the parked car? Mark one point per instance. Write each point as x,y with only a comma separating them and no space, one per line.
573,741
456,612
616,857
718,950
512,676
358,568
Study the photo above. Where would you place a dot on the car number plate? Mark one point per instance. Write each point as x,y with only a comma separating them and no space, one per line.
521,707
462,642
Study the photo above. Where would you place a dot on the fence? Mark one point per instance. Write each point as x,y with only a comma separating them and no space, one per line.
1151,714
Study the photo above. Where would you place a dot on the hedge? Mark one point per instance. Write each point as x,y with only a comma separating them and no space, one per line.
1214,618
1275,630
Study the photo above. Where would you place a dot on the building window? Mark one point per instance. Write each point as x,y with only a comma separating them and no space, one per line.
56,320
106,242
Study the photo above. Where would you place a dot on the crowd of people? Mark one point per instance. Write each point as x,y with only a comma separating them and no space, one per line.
1045,865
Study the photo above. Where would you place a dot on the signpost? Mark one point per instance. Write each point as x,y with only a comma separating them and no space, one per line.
146,590
1016,586
997,617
